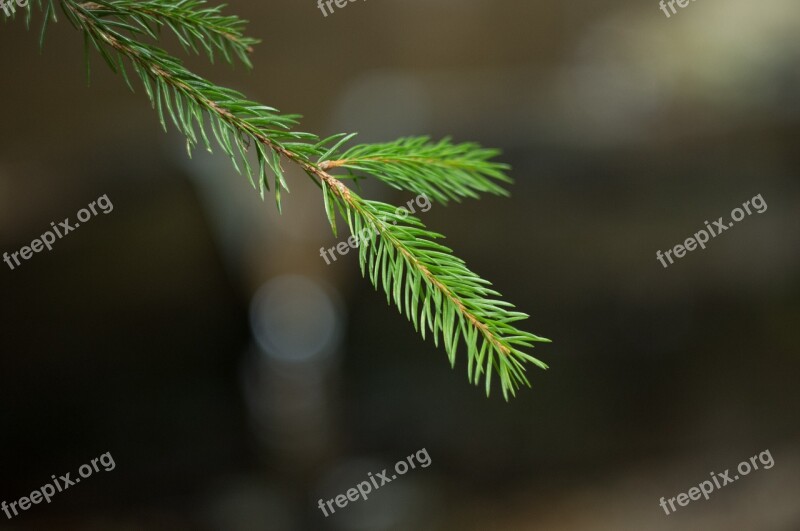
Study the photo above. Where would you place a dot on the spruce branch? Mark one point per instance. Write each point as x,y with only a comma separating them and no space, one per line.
423,278
194,25
402,257
442,171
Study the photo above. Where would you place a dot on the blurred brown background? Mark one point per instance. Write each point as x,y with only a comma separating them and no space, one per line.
198,336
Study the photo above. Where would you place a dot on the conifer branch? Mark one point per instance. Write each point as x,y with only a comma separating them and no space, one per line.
195,26
442,170
402,257
438,293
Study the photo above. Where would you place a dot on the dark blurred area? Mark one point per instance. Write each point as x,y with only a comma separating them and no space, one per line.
198,337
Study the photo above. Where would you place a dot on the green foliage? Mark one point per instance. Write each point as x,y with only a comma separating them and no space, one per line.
441,170
197,27
188,99
438,293
441,295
